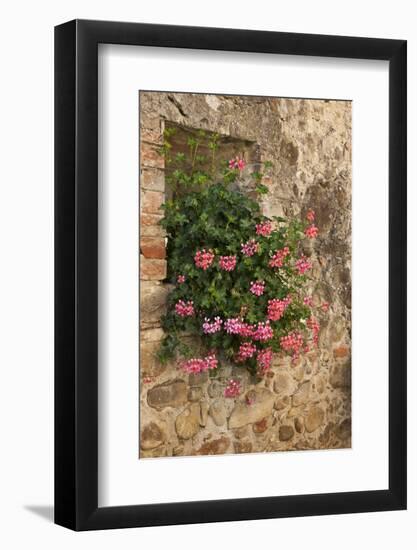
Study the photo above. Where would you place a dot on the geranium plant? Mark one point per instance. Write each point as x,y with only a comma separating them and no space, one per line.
239,276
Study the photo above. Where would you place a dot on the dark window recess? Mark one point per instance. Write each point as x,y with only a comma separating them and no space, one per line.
229,147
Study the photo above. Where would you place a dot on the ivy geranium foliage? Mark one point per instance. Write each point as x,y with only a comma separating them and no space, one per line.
239,276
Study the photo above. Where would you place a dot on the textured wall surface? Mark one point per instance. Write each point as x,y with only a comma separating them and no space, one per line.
306,405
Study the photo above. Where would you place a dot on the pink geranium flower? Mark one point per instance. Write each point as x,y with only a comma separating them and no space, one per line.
276,308
250,248
236,325
278,258
302,265
204,258
314,325
211,327
247,330
181,279
264,360
257,288
264,229
246,351
196,365
311,215
263,331
233,325
311,232
232,389
237,163
292,342
184,309
227,263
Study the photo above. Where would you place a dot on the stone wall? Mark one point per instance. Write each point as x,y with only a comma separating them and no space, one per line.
301,406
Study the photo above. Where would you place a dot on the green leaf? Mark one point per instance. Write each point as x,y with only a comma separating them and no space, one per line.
262,189
257,176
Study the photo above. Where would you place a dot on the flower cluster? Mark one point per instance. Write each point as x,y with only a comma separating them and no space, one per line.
232,389
237,163
264,229
211,361
184,309
246,351
311,215
292,342
181,279
276,308
257,287
264,360
238,326
314,325
312,231
247,330
196,365
303,265
263,332
204,258
250,248
227,263
211,327
234,325
308,301
278,258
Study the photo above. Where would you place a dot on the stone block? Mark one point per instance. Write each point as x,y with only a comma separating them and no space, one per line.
153,296
149,364
314,419
187,424
152,179
286,433
151,335
152,270
340,376
151,202
149,225
215,447
153,136
172,393
262,402
153,247
150,156
151,436
341,352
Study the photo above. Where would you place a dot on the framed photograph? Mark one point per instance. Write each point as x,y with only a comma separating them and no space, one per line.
230,244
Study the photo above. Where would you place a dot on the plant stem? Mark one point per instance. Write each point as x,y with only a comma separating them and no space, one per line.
194,157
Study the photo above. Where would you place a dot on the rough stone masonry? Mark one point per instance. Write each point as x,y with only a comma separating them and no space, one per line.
295,407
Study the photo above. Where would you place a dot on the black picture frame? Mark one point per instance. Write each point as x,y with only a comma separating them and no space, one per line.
76,272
